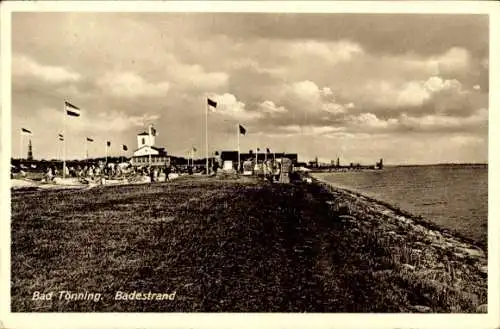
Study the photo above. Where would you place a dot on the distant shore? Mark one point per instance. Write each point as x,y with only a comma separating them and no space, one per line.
324,169
236,244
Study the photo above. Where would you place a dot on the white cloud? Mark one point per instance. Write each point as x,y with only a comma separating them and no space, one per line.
306,90
411,93
313,99
24,66
436,84
442,121
370,120
334,108
129,84
229,105
271,108
455,59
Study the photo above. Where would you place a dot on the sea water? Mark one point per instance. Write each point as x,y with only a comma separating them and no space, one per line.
453,196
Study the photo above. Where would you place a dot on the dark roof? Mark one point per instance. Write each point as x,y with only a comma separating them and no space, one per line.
228,153
143,134
159,149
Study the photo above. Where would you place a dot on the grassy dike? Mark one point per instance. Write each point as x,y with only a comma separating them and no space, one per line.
234,245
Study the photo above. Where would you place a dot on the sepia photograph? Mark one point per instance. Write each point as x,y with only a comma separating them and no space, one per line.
248,162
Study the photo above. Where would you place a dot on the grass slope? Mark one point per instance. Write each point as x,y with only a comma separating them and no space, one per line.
229,246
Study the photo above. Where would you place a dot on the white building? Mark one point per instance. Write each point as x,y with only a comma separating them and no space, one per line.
146,151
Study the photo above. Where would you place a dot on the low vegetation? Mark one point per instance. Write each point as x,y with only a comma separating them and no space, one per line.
229,245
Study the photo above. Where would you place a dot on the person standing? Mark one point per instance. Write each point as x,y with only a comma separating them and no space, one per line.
50,176
151,175
167,172
215,167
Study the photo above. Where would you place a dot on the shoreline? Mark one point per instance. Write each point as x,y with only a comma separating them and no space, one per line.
416,218
443,250
404,216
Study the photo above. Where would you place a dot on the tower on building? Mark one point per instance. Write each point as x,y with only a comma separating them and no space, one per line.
145,139
147,154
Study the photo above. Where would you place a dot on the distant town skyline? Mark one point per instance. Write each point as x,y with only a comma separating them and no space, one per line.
409,88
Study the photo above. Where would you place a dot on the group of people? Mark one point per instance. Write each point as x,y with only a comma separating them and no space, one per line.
86,171
269,170
109,170
156,172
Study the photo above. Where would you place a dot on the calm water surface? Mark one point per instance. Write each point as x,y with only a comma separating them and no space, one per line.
454,197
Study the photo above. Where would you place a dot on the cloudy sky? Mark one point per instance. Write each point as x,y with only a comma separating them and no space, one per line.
409,88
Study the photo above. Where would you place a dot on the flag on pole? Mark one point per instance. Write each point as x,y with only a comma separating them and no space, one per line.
212,104
89,139
125,148
243,131
71,109
25,131
153,131
108,143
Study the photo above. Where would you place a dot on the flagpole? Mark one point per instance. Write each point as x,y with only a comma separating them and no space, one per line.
150,146
21,135
238,134
64,142
206,135
86,150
